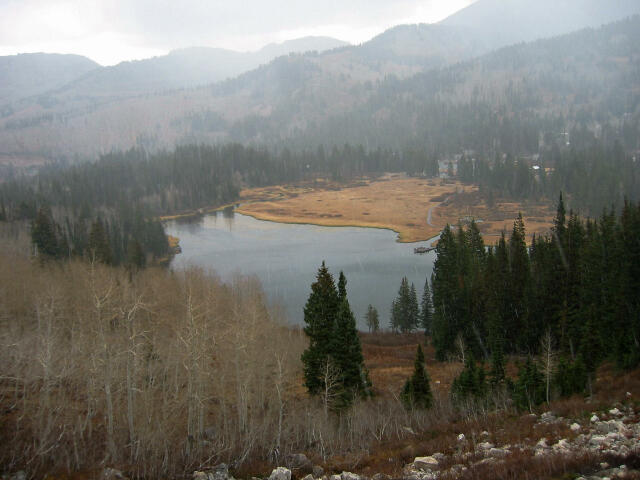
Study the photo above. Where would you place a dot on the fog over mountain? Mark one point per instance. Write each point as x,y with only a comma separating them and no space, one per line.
309,98
502,22
34,73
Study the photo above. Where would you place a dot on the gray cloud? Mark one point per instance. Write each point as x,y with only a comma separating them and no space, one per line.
167,24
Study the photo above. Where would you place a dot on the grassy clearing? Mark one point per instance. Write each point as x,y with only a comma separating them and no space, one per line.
416,208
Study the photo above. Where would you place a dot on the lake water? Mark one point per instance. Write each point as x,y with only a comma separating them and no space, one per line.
286,258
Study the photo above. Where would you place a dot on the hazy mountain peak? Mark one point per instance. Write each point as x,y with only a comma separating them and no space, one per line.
28,74
504,22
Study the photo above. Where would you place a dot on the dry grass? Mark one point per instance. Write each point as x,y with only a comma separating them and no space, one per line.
394,202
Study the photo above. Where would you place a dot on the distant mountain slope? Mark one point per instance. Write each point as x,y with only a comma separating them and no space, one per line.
185,68
402,88
30,74
503,22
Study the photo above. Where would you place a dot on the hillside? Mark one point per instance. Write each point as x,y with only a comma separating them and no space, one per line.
35,73
184,68
523,20
393,91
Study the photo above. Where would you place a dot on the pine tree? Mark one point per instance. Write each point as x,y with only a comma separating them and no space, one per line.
520,284
43,234
414,309
98,246
320,314
471,383
426,310
372,318
333,340
529,389
405,309
136,256
416,392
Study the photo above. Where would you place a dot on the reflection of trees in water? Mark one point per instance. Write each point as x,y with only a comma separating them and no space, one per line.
228,213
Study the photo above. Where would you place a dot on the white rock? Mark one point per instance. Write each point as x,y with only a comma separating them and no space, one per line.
349,476
485,434
562,444
498,452
334,477
594,418
461,437
485,446
308,477
575,427
615,411
542,443
281,473
628,394
425,463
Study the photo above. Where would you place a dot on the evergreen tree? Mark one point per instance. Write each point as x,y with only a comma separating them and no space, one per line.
405,309
98,246
320,314
571,376
471,383
414,309
372,319
136,256
333,339
529,389
416,392
43,234
426,310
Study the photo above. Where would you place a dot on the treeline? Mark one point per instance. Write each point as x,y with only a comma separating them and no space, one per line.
578,286
123,192
126,239
594,179
192,177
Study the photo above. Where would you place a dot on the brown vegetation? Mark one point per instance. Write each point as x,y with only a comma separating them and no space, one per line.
394,201
162,373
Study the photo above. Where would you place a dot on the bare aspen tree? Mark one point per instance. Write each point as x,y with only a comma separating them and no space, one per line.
548,360
331,383
461,346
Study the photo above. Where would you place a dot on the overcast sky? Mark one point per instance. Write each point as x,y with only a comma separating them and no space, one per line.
110,31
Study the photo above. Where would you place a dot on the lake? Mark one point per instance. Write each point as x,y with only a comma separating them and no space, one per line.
286,257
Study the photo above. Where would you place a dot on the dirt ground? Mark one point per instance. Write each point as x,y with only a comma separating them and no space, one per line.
416,208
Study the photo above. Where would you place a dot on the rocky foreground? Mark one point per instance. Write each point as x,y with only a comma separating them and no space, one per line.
603,446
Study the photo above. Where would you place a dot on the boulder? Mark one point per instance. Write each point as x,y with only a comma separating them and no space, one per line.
308,477
485,446
299,464
219,472
461,437
425,463
615,412
594,418
280,473
381,476
497,452
575,427
349,476
317,471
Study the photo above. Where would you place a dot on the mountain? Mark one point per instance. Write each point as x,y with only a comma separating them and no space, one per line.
30,74
423,85
184,68
504,22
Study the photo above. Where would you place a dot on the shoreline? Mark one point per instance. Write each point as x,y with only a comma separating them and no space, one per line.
318,222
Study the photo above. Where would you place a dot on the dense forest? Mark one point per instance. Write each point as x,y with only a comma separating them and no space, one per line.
594,179
576,288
